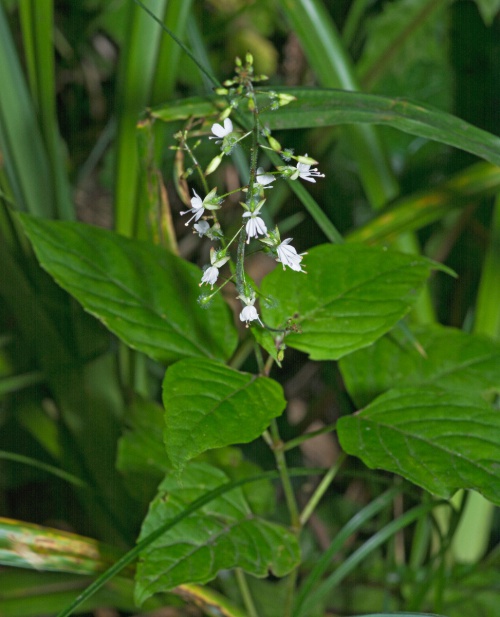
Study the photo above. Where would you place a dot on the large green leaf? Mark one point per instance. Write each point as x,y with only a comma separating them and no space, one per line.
143,294
319,107
453,360
141,448
141,451
209,405
437,439
351,295
221,535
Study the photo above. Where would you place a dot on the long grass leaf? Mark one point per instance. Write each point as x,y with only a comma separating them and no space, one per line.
135,80
25,159
37,27
328,59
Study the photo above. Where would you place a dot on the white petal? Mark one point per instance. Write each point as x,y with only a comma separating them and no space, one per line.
221,131
263,178
308,178
303,168
196,201
254,226
210,275
249,313
288,256
201,228
218,130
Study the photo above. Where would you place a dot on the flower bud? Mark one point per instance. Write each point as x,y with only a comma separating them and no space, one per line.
212,166
225,113
284,99
274,143
307,160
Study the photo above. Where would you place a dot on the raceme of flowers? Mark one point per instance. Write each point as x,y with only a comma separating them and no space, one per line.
253,225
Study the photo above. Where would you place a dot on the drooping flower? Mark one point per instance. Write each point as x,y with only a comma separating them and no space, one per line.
255,226
288,256
211,273
306,173
197,208
249,312
201,228
264,179
219,131
210,276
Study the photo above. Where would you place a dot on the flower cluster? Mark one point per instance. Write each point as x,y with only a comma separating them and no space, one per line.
255,221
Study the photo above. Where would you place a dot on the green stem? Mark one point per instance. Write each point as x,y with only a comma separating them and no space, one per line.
241,284
321,490
290,596
279,454
293,443
245,593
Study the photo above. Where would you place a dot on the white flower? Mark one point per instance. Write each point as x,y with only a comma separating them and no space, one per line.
217,259
201,228
210,276
220,131
288,256
263,179
306,173
255,226
197,208
249,313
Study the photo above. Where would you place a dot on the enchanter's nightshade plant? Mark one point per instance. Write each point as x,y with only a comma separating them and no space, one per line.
430,418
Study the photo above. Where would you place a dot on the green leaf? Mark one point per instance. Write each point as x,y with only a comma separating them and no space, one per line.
488,10
141,449
208,405
437,439
401,614
139,291
24,545
351,295
221,535
420,209
453,360
320,107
